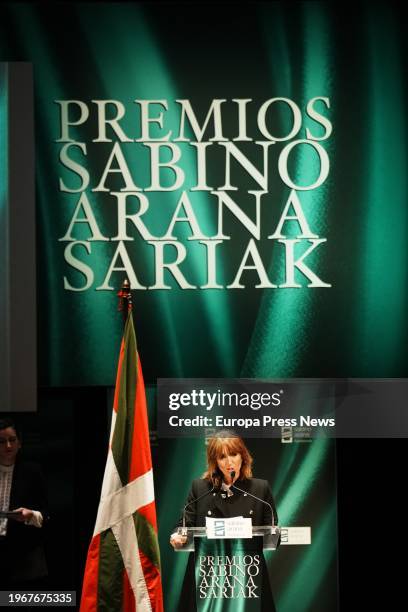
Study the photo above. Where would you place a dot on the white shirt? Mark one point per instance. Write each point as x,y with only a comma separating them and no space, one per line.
6,478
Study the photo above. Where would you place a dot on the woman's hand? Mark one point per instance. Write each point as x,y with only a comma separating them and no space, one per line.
23,515
177,540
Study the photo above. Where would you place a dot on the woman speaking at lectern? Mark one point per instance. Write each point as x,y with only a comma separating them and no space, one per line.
217,494
227,489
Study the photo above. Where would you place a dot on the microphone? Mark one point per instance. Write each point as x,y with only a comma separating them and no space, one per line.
233,486
214,487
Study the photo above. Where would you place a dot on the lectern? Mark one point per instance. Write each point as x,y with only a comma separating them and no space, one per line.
230,574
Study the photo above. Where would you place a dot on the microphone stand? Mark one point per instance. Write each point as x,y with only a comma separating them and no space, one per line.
184,529
233,486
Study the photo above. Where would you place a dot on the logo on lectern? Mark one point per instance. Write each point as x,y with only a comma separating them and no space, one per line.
219,528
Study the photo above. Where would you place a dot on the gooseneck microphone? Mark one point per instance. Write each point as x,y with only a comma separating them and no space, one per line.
233,486
214,487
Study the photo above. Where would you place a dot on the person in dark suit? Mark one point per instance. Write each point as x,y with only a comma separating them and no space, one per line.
226,489
23,502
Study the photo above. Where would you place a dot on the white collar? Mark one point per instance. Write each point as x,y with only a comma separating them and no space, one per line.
6,468
226,488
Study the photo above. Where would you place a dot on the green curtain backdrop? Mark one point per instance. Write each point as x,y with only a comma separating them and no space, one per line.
126,52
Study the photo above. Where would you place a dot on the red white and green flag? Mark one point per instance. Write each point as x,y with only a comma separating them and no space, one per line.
122,571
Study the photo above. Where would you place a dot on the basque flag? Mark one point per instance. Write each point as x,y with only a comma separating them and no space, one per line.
122,571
